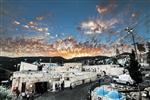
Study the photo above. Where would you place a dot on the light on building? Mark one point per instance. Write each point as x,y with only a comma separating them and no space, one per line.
31,85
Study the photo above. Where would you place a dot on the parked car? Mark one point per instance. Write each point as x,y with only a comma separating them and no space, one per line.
147,75
124,79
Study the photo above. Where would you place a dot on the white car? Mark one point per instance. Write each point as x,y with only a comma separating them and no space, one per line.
147,75
124,79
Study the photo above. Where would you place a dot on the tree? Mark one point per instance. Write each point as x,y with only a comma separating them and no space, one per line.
134,69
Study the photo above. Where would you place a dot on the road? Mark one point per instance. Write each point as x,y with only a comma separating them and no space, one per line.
77,93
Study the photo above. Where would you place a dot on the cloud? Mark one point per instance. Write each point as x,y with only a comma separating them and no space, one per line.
104,9
16,22
25,26
97,26
67,48
31,23
32,26
39,18
44,16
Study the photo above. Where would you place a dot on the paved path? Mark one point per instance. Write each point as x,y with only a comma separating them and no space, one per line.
78,93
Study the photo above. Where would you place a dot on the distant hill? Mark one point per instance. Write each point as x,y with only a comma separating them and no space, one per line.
90,58
3,58
50,59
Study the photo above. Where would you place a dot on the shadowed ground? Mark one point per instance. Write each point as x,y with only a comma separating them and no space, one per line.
78,93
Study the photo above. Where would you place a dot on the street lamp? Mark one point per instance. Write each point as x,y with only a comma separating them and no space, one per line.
130,31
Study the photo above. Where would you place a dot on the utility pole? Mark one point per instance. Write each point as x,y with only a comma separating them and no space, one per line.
130,31
1,52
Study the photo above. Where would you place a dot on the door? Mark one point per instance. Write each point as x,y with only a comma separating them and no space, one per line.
41,87
23,87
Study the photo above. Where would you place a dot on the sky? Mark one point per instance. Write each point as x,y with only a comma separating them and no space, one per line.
70,28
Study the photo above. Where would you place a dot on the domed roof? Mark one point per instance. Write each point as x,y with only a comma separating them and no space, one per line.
114,95
101,91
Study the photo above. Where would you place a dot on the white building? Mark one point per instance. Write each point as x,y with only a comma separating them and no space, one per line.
27,80
30,78
27,66
70,67
109,69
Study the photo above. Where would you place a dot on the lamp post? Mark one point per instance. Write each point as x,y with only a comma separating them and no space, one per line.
130,31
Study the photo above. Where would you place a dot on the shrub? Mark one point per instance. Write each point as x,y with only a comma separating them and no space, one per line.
5,94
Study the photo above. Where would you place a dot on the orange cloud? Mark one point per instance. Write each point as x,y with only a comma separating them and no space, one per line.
67,48
102,9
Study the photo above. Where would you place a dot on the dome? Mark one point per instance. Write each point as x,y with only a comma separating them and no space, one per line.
101,91
114,95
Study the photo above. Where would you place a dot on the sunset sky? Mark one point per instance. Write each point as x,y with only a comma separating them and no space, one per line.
69,28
